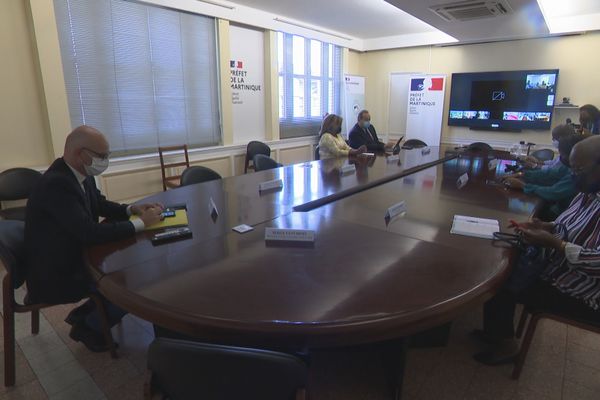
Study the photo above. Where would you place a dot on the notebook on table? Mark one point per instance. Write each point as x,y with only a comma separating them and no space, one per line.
476,227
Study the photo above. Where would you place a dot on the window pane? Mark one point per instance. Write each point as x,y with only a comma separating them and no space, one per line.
330,60
280,52
299,97
315,98
281,98
315,58
331,108
298,55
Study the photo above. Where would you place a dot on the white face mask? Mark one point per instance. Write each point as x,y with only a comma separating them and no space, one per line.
97,167
555,144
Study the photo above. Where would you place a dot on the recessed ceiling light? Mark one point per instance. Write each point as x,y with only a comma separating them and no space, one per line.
571,16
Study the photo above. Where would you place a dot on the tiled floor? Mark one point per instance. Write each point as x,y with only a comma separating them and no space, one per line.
564,363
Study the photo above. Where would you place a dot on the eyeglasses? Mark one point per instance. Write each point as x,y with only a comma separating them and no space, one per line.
102,156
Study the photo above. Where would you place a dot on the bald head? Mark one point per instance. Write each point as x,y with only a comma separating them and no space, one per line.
562,130
585,164
83,143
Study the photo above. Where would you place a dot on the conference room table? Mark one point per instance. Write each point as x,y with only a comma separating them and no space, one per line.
365,279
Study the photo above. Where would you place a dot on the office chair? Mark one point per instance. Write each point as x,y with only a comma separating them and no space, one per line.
263,163
414,144
534,316
198,174
480,146
180,370
543,154
16,184
255,147
12,247
317,154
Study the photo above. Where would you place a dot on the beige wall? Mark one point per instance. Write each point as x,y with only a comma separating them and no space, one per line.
576,57
24,134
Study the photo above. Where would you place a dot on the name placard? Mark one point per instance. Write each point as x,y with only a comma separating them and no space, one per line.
348,169
395,158
270,185
493,164
289,235
212,209
425,150
395,210
462,180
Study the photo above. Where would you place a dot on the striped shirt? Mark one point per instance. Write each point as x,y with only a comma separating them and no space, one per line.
577,272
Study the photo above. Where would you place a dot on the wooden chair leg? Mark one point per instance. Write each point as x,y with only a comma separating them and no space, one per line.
35,322
520,360
522,323
9,332
105,326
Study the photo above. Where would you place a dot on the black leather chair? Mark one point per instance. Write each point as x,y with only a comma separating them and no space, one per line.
12,246
414,144
198,174
263,163
16,184
543,154
479,146
317,154
255,147
182,370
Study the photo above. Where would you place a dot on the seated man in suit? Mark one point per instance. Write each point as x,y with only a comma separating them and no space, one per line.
364,134
62,219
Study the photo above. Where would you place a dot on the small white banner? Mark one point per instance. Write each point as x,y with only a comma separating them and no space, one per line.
289,235
462,180
212,209
348,169
270,185
395,210
493,164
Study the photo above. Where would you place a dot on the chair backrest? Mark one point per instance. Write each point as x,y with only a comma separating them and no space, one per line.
12,249
198,174
263,163
183,369
543,154
317,154
17,183
480,146
414,143
173,180
255,147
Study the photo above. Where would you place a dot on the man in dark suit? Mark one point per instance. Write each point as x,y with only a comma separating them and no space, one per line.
363,133
62,218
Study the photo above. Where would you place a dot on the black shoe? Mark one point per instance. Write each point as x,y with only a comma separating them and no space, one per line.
93,340
481,336
78,314
492,358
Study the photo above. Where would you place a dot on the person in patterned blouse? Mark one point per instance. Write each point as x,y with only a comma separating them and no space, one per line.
570,284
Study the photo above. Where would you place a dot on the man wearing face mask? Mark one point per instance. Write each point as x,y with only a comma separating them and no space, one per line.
62,218
569,285
364,134
558,132
555,185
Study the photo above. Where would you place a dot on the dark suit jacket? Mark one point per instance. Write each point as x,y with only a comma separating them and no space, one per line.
358,137
60,221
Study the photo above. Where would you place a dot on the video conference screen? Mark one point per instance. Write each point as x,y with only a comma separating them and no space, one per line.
505,100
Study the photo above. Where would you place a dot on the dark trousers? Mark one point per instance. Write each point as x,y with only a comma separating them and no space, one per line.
93,318
499,311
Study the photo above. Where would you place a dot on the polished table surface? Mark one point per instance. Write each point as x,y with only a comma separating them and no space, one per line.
364,280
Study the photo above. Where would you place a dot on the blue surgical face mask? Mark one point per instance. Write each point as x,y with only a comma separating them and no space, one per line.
366,124
555,144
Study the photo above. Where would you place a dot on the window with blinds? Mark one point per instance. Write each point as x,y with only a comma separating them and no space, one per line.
310,76
145,76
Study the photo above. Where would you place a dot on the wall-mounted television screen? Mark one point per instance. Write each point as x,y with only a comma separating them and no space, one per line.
504,100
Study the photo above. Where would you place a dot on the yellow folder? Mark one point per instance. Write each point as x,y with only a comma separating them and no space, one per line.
180,219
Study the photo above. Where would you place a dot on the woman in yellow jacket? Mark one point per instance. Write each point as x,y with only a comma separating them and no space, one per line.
332,143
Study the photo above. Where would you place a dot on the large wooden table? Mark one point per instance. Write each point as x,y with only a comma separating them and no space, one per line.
365,279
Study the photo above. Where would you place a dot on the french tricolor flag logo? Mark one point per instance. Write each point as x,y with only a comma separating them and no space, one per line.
436,84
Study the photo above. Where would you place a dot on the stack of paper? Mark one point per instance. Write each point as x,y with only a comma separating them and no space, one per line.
477,227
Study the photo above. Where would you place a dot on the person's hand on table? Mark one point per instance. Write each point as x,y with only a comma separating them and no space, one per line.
514,183
138,209
151,215
542,238
534,224
360,150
